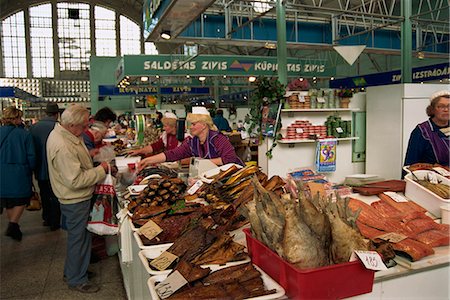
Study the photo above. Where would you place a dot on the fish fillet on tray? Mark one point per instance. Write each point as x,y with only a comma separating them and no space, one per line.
269,284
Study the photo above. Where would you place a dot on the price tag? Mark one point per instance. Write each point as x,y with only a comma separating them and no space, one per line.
321,99
301,98
339,130
442,171
163,261
432,177
371,260
194,188
392,237
396,197
299,130
170,285
150,229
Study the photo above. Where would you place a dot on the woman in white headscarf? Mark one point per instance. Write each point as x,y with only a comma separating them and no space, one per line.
167,140
206,142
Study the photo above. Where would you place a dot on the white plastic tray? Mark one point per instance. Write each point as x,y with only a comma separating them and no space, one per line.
204,176
269,283
145,180
134,228
141,246
441,256
155,252
424,196
136,189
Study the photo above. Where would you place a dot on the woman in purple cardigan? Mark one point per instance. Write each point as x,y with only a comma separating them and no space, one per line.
206,142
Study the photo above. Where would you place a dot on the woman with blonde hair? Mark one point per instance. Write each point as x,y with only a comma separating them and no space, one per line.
167,140
17,161
206,142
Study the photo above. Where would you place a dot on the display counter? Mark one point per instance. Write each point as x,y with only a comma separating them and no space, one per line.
427,278
428,281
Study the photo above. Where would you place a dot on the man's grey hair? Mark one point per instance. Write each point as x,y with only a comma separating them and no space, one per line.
74,115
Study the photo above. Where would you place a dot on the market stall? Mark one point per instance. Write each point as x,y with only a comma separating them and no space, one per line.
218,200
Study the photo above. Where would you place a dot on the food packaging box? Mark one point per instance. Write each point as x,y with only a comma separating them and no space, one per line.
269,283
330,282
423,196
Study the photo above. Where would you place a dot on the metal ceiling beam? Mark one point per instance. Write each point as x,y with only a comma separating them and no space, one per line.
209,42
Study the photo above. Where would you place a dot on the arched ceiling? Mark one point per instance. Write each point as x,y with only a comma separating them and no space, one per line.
129,8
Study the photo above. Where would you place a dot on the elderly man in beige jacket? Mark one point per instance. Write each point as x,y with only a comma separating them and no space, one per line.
73,179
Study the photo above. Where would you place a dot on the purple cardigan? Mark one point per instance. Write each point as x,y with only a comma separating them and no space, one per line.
216,145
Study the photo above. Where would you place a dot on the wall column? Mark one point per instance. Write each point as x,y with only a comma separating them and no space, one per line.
406,40
281,43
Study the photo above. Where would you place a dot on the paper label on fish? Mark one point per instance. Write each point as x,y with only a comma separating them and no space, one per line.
396,197
150,230
392,237
170,285
298,130
163,261
301,98
370,259
194,188
442,171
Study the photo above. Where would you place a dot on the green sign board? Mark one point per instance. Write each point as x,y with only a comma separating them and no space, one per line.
171,65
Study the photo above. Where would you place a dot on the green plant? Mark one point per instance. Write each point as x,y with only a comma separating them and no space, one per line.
345,93
268,91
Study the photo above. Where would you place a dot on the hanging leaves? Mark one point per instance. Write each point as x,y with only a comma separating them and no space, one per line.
268,91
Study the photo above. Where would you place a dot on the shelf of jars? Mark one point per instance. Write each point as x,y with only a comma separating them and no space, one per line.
296,141
318,109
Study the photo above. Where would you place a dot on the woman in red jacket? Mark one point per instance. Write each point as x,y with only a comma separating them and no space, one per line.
167,140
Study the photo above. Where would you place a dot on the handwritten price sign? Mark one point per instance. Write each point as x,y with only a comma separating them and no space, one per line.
371,260
150,230
163,261
170,285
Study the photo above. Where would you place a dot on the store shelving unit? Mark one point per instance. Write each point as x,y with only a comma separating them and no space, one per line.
297,153
318,109
313,141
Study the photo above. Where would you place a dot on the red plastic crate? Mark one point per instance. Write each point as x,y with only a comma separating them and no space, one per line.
330,282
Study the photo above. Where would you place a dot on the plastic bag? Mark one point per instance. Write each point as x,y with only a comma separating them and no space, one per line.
106,153
102,219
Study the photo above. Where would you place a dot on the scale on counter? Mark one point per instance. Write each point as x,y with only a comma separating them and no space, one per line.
199,166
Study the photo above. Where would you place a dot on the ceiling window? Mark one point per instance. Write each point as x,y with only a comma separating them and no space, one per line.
105,32
150,48
261,6
13,46
41,36
129,37
74,36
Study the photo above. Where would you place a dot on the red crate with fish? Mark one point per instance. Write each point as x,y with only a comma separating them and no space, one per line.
329,282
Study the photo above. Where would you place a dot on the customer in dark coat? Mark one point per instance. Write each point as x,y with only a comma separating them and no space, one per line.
51,213
220,121
17,161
